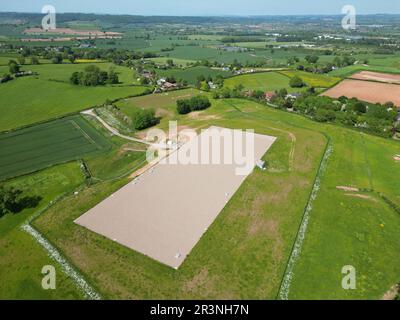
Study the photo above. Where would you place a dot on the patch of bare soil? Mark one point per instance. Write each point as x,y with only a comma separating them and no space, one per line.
199,281
361,196
199,115
392,293
376,76
258,226
374,92
345,188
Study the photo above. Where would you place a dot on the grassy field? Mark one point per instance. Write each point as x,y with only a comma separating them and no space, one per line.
191,74
44,99
21,258
34,148
266,81
63,72
353,228
178,62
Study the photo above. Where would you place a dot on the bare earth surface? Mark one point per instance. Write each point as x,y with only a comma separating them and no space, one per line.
368,91
376,76
165,211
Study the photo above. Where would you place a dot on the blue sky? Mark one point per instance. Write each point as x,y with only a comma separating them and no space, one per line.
204,7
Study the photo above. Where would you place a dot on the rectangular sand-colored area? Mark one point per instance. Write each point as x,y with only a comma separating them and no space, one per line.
377,76
165,212
368,91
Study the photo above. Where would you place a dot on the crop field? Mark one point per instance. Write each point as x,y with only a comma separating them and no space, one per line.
375,76
191,74
369,91
313,80
34,148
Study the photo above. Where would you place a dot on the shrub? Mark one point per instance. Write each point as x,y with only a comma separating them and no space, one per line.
144,118
183,107
296,82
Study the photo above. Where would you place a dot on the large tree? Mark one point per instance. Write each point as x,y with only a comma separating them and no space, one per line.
13,66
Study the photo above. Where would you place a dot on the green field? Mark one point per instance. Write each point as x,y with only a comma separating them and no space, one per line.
63,72
44,99
178,62
22,258
266,81
34,148
191,74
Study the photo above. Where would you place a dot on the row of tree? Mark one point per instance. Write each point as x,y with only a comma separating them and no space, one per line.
197,103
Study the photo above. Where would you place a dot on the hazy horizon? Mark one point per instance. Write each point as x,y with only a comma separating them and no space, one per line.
229,8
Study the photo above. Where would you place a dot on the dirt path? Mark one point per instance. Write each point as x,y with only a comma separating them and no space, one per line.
113,130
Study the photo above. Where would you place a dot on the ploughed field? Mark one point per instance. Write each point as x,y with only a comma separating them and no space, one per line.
369,91
34,148
375,76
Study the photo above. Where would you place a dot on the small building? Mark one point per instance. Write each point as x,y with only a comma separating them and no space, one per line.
293,96
269,95
147,75
161,81
212,85
169,86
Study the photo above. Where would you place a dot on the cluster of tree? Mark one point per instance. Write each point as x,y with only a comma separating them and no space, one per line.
13,201
140,119
144,118
344,61
94,76
315,67
197,103
226,92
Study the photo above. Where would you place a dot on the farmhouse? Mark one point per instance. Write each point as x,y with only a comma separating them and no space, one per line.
168,86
